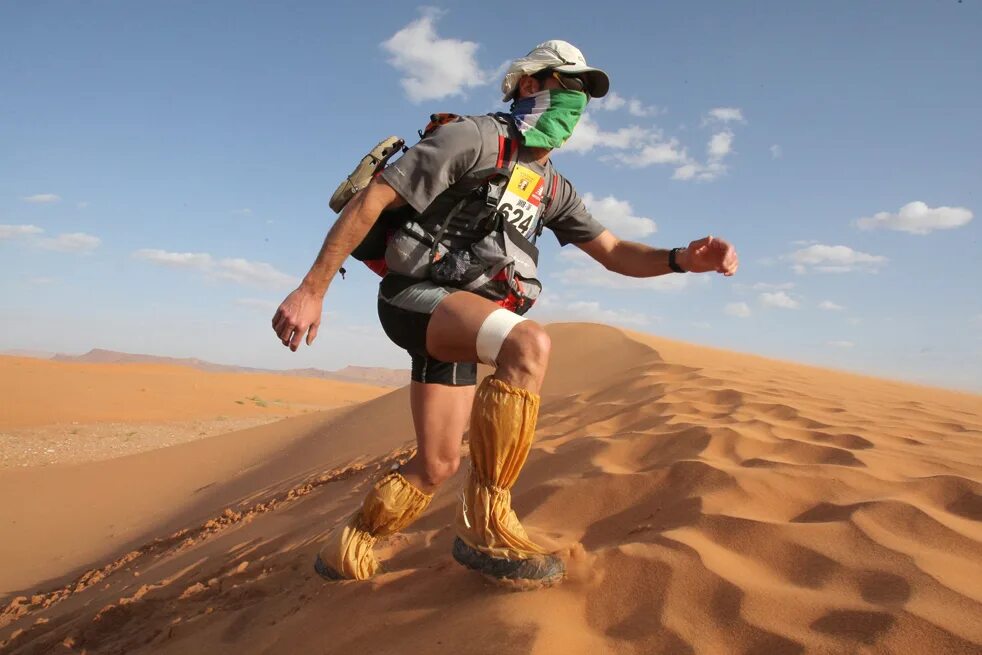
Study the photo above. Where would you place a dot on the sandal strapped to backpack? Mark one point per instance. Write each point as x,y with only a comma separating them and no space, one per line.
366,169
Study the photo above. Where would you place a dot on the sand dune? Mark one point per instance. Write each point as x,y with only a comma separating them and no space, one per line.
708,502
70,412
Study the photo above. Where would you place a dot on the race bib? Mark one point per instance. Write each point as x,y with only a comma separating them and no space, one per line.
521,203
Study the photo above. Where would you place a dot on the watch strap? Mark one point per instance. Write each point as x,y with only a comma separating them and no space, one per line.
673,262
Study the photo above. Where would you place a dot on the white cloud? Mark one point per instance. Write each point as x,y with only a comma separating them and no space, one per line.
42,198
195,260
657,152
594,275
830,306
557,306
42,280
233,269
768,286
840,344
259,274
618,216
550,298
647,146
776,152
79,242
610,102
434,67
613,101
15,231
258,303
720,145
738,309
833,259
726,114
701,172
640,147
592,311
686,172
82,204
777,299
71,242
588,136
917,218
637,108
245,211
575,255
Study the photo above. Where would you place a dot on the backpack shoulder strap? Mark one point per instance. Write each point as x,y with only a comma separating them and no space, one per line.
547,199
553,187
507,145
507,155
436,120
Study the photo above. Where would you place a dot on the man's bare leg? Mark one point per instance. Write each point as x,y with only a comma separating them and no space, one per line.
490,538
440,416
452,337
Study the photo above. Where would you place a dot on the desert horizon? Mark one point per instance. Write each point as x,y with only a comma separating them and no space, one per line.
360,373
704,501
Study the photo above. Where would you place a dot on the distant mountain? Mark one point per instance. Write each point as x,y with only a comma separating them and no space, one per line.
36,354
384,377
100,356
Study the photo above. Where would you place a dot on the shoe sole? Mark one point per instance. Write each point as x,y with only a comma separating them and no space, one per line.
326,572
515,575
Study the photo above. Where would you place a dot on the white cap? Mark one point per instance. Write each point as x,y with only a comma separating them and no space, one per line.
560,56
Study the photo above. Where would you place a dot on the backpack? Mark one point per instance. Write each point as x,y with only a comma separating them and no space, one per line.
371,251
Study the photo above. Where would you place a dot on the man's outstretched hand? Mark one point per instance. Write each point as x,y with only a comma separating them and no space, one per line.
709,254
300,312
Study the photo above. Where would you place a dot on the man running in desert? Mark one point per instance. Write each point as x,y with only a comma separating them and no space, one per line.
461,271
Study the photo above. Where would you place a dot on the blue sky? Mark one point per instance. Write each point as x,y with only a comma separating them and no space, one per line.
165,170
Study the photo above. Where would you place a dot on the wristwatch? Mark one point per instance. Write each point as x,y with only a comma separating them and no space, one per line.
672,263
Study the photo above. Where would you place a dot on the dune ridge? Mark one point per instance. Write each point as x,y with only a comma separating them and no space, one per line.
707,502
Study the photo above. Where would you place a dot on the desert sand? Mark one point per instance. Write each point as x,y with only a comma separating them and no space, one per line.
72,412
707,501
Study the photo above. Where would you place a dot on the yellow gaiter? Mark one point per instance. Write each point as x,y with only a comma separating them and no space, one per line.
391,505
502,427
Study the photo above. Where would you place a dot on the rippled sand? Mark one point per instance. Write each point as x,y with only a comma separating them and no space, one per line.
708,502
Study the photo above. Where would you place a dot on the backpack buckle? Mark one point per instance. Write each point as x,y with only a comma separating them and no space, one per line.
492,194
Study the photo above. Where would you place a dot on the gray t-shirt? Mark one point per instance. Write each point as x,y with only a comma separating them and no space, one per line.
451,152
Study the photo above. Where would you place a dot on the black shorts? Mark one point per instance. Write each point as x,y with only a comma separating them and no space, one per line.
406,326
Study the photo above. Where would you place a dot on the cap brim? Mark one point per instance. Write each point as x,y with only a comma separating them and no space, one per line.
597,80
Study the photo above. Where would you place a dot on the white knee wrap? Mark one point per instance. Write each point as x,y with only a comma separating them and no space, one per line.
493,333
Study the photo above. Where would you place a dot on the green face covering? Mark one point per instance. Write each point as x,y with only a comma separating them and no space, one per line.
546,119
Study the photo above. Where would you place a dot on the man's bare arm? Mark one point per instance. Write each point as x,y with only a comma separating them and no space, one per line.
357,218
626,257
640,260
300,312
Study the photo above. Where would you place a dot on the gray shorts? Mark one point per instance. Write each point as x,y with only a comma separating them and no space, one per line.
404,309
